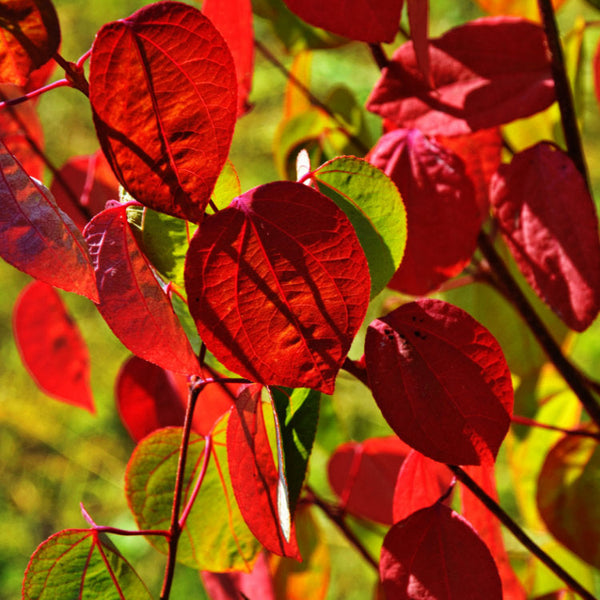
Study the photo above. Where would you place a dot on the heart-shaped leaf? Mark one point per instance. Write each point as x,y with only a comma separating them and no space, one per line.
435,554
37,237
143,70
132,300
440,380
51,346
81,563
278,285
485,73
549,222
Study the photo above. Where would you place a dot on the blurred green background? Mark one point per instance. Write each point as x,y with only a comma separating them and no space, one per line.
54,456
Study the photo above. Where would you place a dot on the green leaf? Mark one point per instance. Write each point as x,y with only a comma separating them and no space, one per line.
83,564
298,414
215,537
227,187
374,206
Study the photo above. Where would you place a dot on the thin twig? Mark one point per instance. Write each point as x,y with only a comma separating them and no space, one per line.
379,56
525,540
577,432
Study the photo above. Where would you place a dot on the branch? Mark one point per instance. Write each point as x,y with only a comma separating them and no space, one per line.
577,432
508,522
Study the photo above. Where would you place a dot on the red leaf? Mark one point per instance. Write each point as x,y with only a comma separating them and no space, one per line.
132,300
436,555
21,131
420,483
230,586
29,36
488,527
482,154
90,185
549,222
486,73
143,70
441,212
233,19
363,476
37,237
278,285
254,475
51,346
149,398
365,20
441,381
418,18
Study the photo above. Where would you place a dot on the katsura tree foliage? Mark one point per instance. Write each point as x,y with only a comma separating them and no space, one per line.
476,257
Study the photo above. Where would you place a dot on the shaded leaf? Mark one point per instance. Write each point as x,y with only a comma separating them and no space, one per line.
365,20
233,19
549,222
436,555
441,381
567,495
418,18
255,477
52,347
442,217
363,476
421,483
85,185
81,563
167,158
487,72
29,36
374,206
288,255
132,300
36,237
215,537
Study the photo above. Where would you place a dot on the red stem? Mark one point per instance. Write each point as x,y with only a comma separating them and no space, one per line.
117,531
205,461
532,423
35,93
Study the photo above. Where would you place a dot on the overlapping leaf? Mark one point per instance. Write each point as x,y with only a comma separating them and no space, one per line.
364,20
132,300
262,499
51,346
567,495
549,222
443,220
81,563
37,237
363,476
436,555
143,70
29,37
521,8
278,286
374,206
440,380
215,537
486,73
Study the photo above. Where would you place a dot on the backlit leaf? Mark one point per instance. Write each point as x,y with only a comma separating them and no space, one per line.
215,537
485,73
278,286
37,237
442,217
84,186
374,206
436,555
364,20
233,19
520,8
29,36
51,346
143,70
81,563
549,222
132,300
255,477
363,476
567,495
440,380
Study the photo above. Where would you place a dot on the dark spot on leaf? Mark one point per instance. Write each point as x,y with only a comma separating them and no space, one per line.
59,342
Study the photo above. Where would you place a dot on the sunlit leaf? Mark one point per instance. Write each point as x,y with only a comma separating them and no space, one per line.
51,346
520,8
